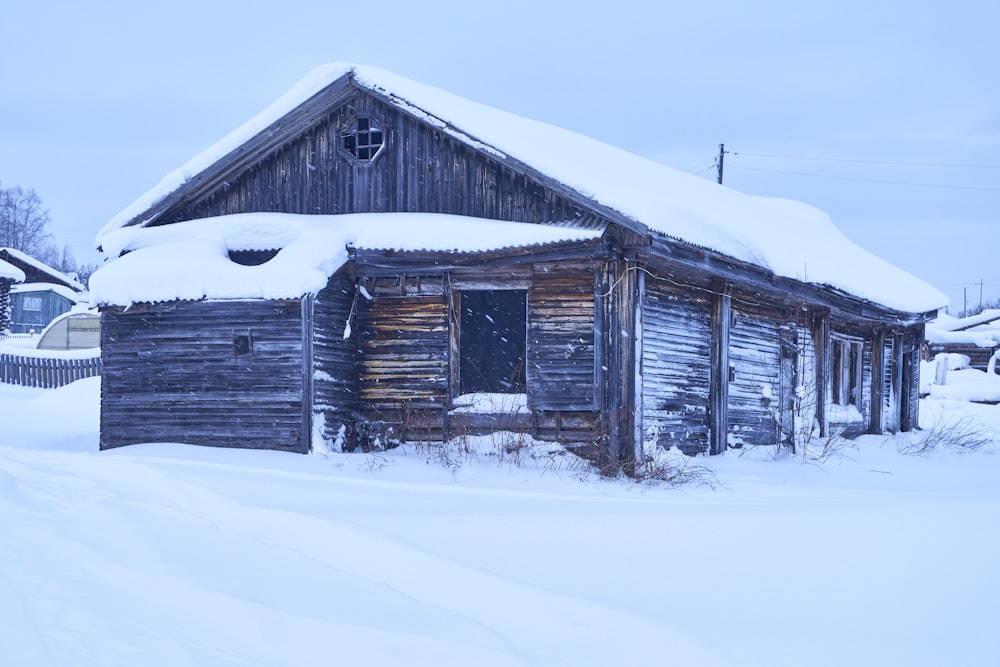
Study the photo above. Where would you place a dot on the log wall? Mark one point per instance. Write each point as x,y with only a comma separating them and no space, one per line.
173,373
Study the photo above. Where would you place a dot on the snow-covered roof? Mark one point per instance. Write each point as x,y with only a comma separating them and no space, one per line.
61,290
981,330
43,267
789,238
190,260
11,272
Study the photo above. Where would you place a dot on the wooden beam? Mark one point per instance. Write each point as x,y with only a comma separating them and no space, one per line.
821,339
878,381
719,389
307,372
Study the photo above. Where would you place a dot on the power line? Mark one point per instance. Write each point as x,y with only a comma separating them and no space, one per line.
888,162
701,166
866,180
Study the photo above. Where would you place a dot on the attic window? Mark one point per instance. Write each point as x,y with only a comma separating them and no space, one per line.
363,139
251,257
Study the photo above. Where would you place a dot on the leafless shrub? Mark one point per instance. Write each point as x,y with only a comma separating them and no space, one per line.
821,449
957,434
672,469
451,455
374,462
511,448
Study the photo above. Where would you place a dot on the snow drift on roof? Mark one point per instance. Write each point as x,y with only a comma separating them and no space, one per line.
44,268
11,272
190,260
62,290
789,238
982,329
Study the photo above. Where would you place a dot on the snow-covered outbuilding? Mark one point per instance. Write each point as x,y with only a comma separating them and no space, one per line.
976,336
44,293
369,256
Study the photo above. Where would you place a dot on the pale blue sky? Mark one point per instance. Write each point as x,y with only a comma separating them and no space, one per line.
102,99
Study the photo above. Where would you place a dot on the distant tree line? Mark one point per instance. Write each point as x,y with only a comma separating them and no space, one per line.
24,226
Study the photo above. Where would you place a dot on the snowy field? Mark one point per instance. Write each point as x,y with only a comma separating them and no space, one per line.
172,555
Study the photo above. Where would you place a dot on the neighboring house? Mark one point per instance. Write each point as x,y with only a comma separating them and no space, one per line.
44,294
407,253
34,305
976,336
9,274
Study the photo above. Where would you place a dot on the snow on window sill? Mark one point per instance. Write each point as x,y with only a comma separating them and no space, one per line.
843,414
486,403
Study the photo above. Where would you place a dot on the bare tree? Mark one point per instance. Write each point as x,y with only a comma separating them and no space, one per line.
24,223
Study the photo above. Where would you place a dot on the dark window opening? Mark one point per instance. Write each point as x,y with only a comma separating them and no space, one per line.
846,372
251,257
493,341
363,139
242,344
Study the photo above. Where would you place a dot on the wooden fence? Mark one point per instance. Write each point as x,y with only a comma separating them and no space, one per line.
46,372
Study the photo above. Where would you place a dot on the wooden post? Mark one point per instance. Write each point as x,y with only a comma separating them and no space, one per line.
821,332
718,393
307,372
618,291
898,395
637,395
878,381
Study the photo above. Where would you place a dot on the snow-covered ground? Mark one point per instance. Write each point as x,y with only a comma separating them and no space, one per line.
175,555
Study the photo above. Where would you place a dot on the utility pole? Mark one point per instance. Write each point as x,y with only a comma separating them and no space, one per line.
965,302
980,295
719,160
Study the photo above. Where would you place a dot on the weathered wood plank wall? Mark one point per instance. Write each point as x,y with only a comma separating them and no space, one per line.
335,364
421,168
560,363
227,398
676,366
403,345
755,363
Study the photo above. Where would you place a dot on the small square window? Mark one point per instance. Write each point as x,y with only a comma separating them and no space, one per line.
241,345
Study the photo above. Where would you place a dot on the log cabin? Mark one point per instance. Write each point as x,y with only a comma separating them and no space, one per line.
9,274
371,260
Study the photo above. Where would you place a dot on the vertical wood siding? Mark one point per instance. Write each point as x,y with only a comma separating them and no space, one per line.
419,169
254,400
335,376
27,321
675,367
561,338
890,411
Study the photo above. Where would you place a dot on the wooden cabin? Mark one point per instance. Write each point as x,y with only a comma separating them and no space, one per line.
33,306
43,295
655,309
